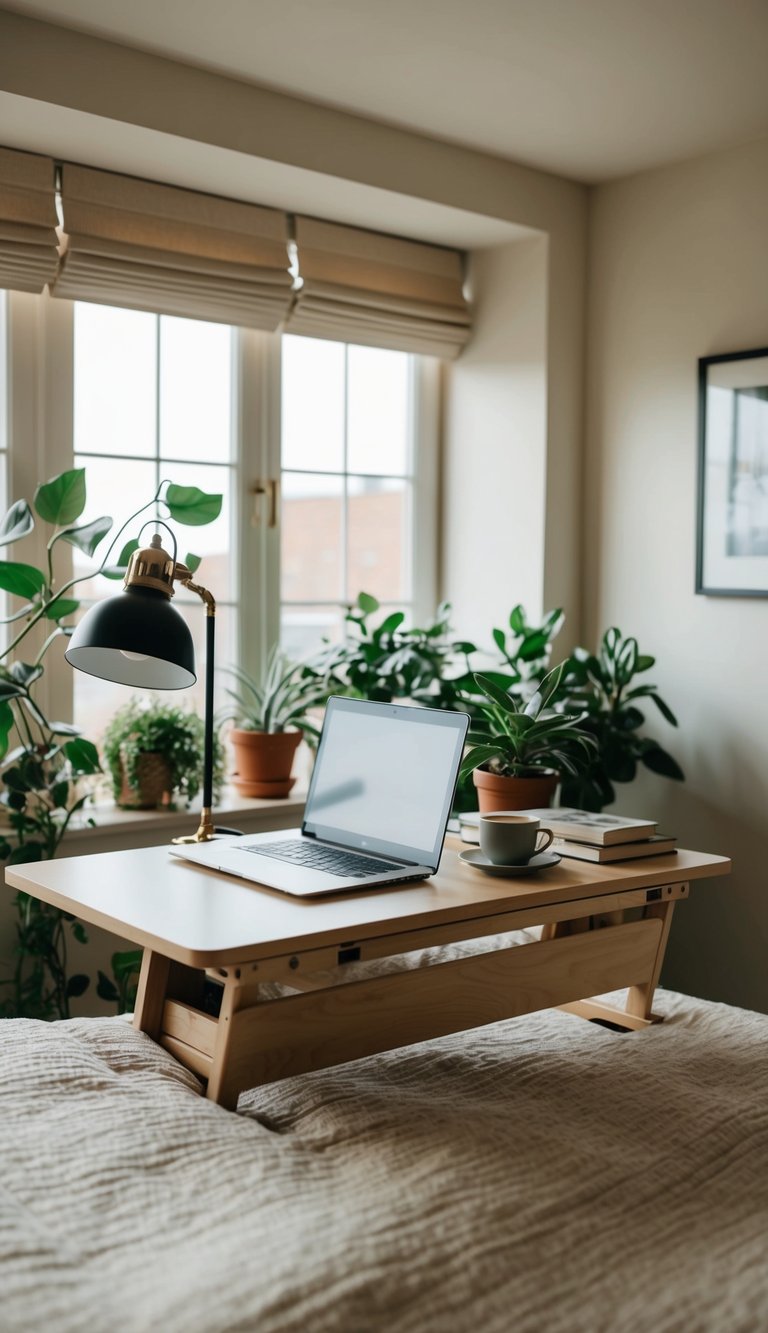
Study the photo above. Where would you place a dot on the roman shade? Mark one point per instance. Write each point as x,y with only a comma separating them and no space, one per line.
28,255
154,247
365,287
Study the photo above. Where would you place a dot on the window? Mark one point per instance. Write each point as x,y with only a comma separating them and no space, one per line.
347,483
153,402
136,398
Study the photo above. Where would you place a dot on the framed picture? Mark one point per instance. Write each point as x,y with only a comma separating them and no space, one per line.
732,527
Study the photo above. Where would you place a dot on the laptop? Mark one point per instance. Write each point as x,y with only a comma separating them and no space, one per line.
376,811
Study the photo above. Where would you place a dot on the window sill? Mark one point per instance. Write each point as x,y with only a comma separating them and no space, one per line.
113,829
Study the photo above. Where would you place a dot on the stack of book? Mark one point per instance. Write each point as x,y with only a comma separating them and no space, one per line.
590,837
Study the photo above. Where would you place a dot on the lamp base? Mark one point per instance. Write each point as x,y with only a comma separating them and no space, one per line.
205,830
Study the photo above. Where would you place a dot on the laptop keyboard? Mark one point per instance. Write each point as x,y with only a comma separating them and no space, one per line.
319,857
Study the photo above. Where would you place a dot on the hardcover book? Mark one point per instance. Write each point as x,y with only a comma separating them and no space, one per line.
622,851
600,830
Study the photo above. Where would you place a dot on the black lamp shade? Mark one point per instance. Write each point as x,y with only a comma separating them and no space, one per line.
137,639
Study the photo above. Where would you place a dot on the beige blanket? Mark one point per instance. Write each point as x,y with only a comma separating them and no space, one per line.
543,1174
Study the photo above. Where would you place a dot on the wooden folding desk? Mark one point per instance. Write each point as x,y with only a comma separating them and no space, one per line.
604,927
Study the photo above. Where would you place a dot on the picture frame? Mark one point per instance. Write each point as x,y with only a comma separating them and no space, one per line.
732,490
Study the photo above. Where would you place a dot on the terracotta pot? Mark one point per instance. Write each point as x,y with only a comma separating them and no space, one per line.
263,762
153,783
498,793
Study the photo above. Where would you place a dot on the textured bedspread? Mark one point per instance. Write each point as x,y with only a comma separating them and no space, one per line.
541,1174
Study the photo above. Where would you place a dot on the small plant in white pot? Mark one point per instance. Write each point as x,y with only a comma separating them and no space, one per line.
271,716
517,756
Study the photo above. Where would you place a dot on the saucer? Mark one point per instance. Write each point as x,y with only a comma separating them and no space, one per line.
479,861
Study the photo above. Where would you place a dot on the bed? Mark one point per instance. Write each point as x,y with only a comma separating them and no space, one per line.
538,1174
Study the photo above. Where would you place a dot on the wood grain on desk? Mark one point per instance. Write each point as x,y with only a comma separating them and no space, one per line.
203,918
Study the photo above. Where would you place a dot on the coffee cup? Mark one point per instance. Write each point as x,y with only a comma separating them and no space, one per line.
510,839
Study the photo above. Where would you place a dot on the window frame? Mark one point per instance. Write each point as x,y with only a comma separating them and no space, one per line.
40,379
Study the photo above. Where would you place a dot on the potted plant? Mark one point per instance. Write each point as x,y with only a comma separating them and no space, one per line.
604,687
517,758
154,752
271,716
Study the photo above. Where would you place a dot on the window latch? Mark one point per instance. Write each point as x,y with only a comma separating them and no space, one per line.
270,488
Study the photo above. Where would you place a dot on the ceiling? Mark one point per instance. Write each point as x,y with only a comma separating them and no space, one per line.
588,89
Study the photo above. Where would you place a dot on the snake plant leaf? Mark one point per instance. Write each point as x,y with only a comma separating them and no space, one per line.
61,607
190,505
547,688
22,580
117,571
17,523
87,537
62,499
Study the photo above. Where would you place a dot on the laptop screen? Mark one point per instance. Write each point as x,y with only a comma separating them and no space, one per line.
384,778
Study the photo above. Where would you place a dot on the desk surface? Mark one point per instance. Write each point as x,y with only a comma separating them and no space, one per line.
204,918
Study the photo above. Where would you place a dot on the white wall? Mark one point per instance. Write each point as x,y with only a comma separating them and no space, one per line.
495,442
678,270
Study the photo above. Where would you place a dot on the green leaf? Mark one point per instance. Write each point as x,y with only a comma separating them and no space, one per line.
118,571
59,795
106,989
18,523
660,762
9,689
82,755
644,662
495,693
391,623
25,672
192,562
26,854
190,505
500,639
62,499
480,755
87,538
127,963
6,723
63,729
22,580
77,985
664,709
79,932
517,619
367,603
61,607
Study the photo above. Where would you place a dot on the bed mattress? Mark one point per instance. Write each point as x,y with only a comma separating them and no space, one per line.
539,1174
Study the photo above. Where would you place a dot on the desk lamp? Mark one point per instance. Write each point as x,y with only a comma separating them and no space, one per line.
138,638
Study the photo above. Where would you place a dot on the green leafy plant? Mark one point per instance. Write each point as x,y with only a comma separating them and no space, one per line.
526,649
388,661
603,687
44,771
522,738
121,988
146,726
283,699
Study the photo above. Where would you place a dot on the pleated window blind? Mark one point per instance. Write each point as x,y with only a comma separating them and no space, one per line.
154,247
28,255
381,291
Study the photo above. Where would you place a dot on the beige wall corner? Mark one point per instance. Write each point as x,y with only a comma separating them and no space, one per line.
678,271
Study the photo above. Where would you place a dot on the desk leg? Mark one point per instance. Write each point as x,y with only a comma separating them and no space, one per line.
640,998
150,997
222,1087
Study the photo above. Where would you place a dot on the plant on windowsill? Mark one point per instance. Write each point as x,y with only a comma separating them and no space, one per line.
271,716
154,753
517,758
43,773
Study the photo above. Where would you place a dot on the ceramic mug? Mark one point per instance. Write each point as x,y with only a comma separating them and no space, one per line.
510,839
